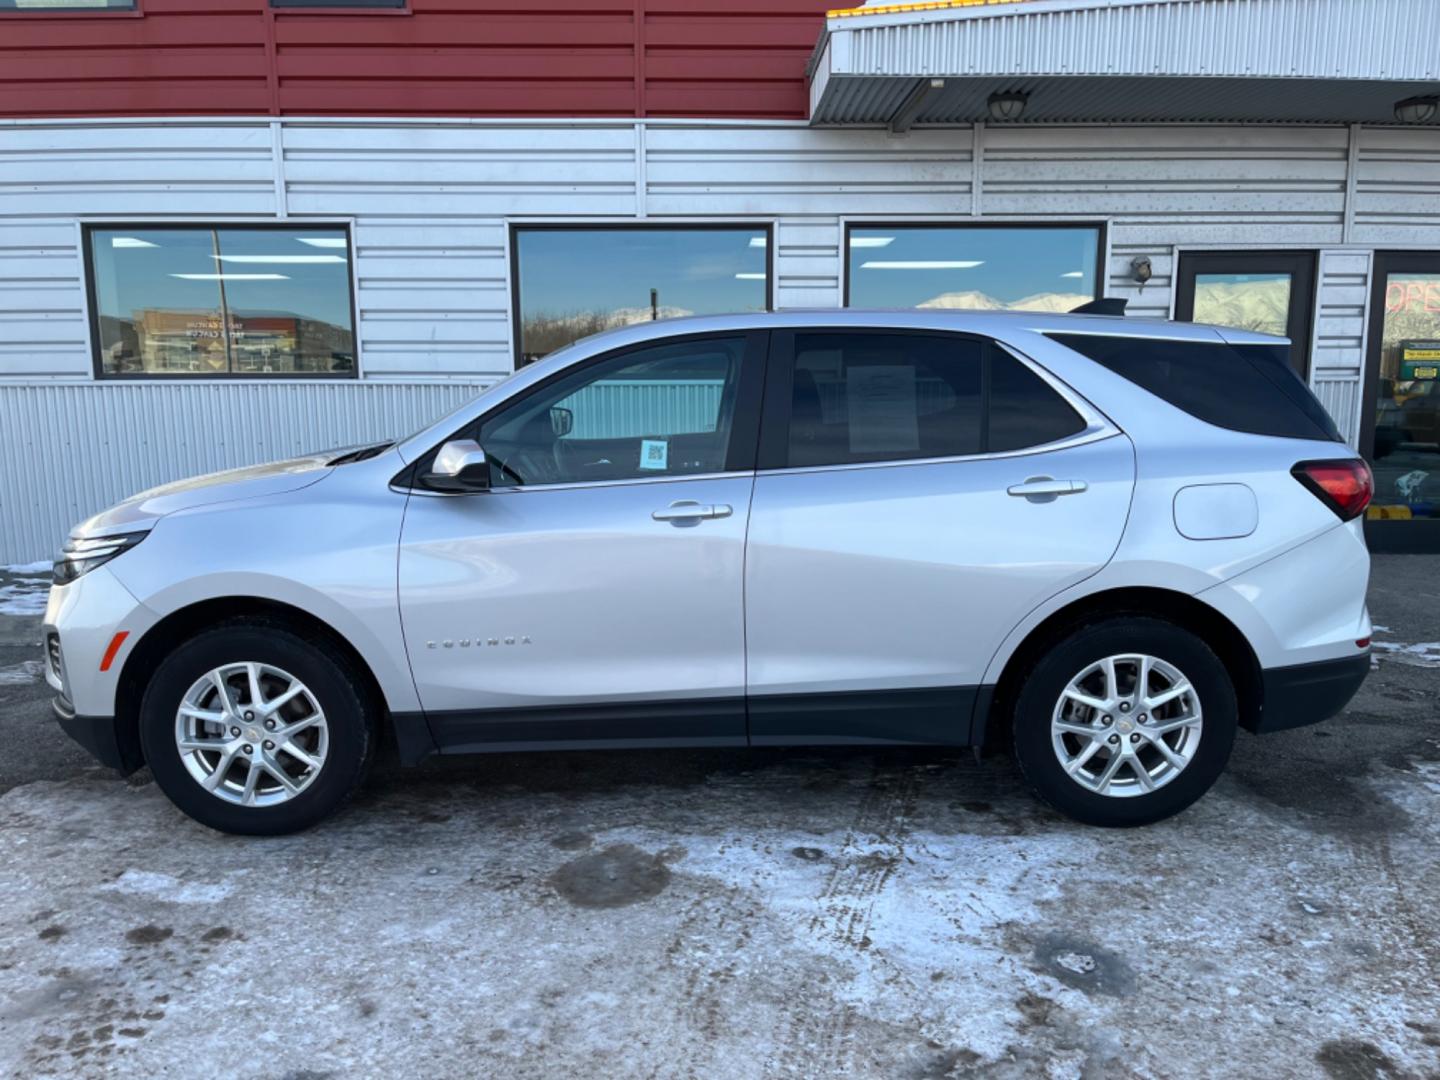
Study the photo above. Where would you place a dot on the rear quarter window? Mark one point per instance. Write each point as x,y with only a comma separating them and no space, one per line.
1249,388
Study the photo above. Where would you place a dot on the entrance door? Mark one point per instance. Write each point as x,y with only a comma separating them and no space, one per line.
594,593
1271,292
1400,425
918,494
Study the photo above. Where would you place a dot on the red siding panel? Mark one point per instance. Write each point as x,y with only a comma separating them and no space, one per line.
736,58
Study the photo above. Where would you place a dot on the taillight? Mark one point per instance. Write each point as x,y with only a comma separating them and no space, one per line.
1346,486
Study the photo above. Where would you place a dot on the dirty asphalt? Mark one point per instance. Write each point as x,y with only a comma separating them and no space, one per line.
898,913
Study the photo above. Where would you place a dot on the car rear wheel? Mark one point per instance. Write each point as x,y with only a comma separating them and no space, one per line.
1125,721
250,728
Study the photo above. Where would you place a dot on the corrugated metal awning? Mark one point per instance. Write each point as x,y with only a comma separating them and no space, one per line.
1126,60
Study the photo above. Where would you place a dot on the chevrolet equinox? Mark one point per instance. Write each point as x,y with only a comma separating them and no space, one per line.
1109,542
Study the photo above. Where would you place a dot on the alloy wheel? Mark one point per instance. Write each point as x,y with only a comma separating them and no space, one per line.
1126,725
251,734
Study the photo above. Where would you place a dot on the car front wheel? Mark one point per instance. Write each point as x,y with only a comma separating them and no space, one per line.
1125,721
250,728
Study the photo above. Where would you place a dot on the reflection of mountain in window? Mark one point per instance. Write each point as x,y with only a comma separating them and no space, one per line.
1259,302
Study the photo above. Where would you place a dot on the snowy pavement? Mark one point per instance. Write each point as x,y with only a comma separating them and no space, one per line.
851,913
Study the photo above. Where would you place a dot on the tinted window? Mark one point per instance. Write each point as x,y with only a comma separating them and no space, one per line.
187,301
664,410
1023,410
1050,268
1245,388
882,397
576,282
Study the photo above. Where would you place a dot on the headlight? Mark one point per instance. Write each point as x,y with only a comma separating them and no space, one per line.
81,556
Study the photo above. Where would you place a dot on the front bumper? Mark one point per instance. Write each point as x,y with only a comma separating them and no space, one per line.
1308,693
102,737
83,617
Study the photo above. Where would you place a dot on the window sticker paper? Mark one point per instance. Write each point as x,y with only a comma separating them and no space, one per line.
654,454
883,411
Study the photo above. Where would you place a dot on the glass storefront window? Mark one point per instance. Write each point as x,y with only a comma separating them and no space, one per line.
1259,302
1023,268
1269,292
1406,455
195,301
575,282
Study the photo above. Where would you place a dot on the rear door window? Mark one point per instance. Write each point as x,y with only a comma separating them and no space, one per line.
865,396
860,397
1024,411
1249,388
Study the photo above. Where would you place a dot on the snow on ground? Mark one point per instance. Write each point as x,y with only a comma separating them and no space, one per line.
724,914
27,671
44,566
24,590
1422,654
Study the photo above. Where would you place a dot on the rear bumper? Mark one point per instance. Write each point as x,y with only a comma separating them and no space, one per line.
1308,693
101,736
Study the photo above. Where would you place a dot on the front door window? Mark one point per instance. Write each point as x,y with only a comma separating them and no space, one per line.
658,411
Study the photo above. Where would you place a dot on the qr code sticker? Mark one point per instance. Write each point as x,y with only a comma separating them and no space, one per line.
654,454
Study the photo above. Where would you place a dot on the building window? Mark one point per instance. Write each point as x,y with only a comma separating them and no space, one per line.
337,3
67,5
573,282
1402,402
1272,292
252,301
984,267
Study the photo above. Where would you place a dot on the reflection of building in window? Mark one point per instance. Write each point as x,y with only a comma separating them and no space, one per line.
162,341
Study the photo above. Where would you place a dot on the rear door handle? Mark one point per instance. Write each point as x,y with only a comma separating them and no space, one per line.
690,510
1045,488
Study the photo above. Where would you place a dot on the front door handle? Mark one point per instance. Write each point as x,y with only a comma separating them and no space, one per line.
1046,488
690,510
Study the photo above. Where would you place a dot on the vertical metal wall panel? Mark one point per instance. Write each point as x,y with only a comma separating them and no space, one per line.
1335,39
68,450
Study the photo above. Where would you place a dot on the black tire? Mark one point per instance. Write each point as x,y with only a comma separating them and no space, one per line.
330,676
1092,642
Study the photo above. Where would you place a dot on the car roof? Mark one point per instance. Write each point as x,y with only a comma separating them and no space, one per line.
997,323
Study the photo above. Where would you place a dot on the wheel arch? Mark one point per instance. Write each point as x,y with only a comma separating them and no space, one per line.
1182,609
162,638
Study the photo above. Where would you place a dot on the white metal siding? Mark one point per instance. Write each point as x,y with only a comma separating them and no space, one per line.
1334,39
431,202
69,450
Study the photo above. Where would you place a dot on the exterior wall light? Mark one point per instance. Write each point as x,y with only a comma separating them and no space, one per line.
1417,110
1007,106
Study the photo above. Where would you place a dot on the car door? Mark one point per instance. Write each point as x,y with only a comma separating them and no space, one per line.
594,593
918,494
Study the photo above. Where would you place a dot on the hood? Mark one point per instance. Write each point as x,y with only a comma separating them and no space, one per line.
140,512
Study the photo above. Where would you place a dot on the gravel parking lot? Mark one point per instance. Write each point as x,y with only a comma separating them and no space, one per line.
900,913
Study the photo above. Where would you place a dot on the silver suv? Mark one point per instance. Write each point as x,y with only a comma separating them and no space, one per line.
1111,542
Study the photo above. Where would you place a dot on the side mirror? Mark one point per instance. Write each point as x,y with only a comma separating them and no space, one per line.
459,466
562,421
